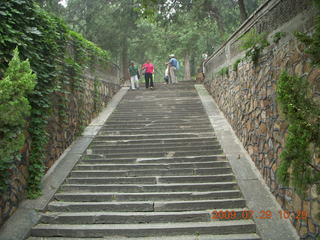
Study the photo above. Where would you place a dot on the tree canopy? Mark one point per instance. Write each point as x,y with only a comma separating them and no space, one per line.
133,30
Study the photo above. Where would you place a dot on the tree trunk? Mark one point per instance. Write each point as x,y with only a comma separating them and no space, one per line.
243,12
125,60
187,73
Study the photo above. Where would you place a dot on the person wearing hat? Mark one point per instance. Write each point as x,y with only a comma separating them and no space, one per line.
173,63
134,73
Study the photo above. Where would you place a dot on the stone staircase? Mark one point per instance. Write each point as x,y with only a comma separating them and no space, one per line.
154,171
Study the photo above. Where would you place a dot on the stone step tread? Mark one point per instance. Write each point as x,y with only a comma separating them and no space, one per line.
193,158
155,127
146,206
134,171
157,152
108,213
100,138
152,147
154,164
107,145
135,188
180,237
139,194
151,179
155,177
157,185
144,226
131,132
181,136
174,151
126,166
150,196
182,160
163,172
62,203
133,217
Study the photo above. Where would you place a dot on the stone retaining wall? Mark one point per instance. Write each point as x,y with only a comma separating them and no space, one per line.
80,105
248,100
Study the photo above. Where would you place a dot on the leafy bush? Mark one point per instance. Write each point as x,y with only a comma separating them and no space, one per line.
303,116
17,83
224,71
235,65
312,42
254,42
277,36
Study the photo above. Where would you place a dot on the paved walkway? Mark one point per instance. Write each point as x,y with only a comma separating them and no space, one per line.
153,168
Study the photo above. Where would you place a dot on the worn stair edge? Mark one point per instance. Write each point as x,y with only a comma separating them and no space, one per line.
161,172
147,206
125,188
140,230
139,217
181,237
165,196
151,180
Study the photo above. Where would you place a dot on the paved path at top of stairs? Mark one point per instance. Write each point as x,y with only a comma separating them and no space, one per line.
155,170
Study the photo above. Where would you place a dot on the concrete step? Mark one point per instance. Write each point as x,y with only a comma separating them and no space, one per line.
248,236
132,188
153,166
163,196
143,230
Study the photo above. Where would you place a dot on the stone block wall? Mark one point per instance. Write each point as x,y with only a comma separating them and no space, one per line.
70,113
247,97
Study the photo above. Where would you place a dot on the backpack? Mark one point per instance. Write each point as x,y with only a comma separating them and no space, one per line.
178,65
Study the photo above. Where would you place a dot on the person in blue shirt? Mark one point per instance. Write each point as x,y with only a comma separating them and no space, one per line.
173,66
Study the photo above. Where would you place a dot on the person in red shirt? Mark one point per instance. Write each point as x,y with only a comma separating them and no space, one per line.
148,69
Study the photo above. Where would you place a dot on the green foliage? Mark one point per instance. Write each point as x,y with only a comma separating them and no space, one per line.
42,38
235,65
254,42
303,116
155,28
312,42
277,36
17,83
224,71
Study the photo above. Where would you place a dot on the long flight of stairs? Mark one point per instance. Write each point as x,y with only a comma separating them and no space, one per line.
154,170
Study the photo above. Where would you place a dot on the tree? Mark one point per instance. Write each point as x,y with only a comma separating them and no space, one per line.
243,12
109,24
140,29
18,82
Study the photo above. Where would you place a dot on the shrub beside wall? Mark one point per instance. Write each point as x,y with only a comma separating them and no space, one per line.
75,79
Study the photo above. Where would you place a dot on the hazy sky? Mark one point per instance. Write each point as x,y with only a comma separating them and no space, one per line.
63,2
